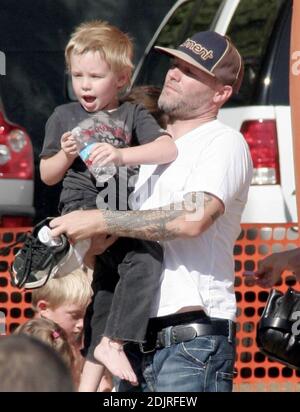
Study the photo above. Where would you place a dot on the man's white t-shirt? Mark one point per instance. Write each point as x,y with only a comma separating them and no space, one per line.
215,159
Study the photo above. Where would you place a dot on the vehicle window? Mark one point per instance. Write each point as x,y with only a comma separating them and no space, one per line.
191,17
250,30
277,73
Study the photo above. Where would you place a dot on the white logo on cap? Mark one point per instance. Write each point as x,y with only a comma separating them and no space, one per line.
198,49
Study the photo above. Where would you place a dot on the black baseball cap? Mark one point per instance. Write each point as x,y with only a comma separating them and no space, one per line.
214,54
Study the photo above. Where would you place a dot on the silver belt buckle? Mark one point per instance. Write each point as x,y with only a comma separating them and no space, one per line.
165,336
183,333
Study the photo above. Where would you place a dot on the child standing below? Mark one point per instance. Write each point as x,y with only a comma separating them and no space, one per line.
53,335
64,301
99,58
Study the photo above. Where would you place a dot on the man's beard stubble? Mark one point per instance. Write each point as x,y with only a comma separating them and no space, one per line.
173,107
177,107
180,107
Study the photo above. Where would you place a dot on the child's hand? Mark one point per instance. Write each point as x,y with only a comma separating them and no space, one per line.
68,145
99,244
105,153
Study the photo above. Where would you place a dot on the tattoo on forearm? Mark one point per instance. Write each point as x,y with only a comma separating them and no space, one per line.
158,224
149,225
153,224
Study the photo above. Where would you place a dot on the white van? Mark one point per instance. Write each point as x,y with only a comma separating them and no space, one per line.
261,32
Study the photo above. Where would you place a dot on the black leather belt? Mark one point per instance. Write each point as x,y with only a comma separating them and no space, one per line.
172,335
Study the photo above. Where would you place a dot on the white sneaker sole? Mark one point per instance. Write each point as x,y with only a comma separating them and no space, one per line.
70,262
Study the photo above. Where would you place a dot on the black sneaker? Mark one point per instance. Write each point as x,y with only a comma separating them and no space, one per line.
40,258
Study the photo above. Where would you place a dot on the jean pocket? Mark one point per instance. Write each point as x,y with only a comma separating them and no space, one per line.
198,350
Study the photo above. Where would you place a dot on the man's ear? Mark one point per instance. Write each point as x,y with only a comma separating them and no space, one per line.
42,307
222,94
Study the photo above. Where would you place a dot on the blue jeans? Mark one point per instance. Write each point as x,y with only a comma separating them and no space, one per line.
204,364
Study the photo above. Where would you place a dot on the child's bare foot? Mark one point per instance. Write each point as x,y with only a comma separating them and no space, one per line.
111,354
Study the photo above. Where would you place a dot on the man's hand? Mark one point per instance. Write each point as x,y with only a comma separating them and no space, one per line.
270,269
78,225
68,145
104,153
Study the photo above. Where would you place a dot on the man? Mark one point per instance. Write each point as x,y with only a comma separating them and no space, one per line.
193,207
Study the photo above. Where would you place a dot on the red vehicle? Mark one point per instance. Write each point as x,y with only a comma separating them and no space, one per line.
16,175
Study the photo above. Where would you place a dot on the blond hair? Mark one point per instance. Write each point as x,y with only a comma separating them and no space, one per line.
73,288
113,45
50,333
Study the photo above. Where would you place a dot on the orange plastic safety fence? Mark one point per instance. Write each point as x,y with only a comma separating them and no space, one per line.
15,304
254,242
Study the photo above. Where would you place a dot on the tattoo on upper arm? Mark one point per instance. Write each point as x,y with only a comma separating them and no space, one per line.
215,215
208,199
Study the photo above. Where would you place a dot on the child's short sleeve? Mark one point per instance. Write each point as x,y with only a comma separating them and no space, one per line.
145,127
53,133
